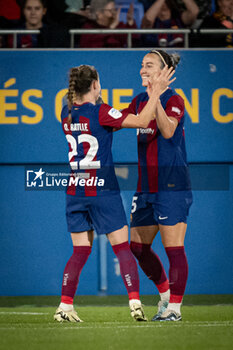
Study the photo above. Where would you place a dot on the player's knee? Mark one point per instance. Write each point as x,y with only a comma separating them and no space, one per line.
139,250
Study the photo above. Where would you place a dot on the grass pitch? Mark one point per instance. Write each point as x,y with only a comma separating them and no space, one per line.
24,327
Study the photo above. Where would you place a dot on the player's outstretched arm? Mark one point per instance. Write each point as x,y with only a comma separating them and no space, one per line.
155,88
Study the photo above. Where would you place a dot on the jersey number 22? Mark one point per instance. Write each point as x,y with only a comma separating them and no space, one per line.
87,162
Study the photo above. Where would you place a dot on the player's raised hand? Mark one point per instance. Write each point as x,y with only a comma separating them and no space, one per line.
166,76
162,81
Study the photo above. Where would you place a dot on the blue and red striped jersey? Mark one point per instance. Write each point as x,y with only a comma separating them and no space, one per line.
162,163
89,136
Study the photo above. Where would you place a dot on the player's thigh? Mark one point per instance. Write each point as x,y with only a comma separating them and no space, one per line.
82,238
173,236
143,226
118,236
143,234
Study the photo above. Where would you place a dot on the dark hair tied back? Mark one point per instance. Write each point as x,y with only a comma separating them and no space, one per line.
171,60
175,59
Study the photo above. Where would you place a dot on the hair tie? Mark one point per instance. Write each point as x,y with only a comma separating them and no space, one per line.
158,53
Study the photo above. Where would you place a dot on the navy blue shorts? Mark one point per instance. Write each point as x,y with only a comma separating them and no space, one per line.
164,208
105,214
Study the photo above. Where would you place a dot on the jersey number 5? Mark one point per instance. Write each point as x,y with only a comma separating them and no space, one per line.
134,204
87,162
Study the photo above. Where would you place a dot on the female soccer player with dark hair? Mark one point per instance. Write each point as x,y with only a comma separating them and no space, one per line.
93,198
163,196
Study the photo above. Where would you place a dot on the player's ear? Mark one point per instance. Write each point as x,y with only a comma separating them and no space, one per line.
95,84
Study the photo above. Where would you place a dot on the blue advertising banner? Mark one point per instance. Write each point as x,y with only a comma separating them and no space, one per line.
34,242
33,85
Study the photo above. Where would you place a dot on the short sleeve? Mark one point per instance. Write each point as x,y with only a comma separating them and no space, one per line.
131,109
109,116
175,107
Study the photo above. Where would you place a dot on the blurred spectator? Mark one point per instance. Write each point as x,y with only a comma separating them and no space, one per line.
51,35
204,6
33,12
106,16
164,14
222,18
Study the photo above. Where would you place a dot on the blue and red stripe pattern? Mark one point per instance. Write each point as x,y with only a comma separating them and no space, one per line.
89,136
162,163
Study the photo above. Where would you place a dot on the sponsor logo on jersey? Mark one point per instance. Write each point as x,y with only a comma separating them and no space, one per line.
176,110
145,131
114,113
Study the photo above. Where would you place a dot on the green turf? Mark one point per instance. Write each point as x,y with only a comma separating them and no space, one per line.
111,300
111,328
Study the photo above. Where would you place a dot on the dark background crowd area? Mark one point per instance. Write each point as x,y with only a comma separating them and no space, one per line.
56,22
59,17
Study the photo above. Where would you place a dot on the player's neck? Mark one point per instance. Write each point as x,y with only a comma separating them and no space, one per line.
88,98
